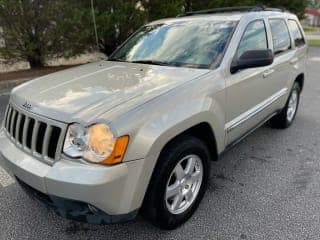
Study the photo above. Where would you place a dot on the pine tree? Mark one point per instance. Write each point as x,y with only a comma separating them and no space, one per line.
116,21
34,30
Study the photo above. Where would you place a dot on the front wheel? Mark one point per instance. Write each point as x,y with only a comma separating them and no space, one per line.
286,117
178,183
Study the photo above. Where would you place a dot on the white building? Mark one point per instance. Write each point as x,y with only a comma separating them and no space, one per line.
313,17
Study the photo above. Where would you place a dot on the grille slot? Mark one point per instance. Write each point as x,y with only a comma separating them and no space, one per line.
52,151
9,120
21,125
30,133
41,137
14,123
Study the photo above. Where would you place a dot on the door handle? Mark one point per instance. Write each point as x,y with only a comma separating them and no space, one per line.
294,60
268,73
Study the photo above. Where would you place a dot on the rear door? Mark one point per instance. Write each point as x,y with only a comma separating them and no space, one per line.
284,53
298,60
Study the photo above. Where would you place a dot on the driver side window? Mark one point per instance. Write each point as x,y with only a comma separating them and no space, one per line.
254,38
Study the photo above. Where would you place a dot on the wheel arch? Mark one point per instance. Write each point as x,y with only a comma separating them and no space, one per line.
202,131
300,80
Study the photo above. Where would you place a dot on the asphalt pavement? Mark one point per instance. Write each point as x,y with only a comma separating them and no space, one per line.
267,187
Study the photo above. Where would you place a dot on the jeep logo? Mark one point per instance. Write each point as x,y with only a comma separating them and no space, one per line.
27,105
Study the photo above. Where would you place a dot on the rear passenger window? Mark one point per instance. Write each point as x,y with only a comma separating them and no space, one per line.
296,33
254,38
280,35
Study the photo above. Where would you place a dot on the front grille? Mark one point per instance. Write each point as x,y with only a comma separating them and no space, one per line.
38,136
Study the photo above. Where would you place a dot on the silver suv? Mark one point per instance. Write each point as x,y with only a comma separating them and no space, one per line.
136,133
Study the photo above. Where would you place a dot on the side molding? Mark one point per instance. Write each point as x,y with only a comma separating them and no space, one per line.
254,111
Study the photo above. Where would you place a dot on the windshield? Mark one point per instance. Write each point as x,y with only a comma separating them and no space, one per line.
187,44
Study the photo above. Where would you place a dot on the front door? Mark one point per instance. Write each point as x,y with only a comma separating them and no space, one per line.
248,91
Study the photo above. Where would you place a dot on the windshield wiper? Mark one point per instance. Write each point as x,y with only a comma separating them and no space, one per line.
174,64
151,62
160,63
115,60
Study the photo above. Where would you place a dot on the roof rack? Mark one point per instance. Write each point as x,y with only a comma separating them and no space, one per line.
256,8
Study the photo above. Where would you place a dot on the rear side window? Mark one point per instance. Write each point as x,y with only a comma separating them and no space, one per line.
254,38
296,33
280,35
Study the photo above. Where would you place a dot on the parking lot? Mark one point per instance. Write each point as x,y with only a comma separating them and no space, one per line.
267,187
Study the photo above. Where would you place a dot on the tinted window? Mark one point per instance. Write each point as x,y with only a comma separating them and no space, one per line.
280,35
184,43
296,33
254,38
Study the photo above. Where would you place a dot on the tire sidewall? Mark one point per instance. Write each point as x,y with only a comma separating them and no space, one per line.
164,215
295,87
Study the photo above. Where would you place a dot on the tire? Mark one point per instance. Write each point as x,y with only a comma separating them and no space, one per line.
286,117
159,207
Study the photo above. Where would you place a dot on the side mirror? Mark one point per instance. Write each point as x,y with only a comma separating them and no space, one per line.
252,59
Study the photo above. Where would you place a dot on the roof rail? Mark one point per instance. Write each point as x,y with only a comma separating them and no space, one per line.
256,8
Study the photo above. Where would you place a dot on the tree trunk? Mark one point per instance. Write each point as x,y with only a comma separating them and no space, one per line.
35,61
108,48
188,6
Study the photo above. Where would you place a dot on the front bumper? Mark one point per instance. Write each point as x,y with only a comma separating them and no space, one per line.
75,210
115,190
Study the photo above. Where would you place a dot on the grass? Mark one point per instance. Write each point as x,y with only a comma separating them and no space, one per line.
310,29
314,42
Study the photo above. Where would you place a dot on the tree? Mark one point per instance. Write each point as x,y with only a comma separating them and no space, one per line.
116,21
314,4
296,6
34,30
157,9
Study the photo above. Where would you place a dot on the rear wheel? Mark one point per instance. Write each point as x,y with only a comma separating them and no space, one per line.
178,183
286,117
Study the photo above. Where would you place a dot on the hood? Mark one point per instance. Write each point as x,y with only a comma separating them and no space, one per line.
85,92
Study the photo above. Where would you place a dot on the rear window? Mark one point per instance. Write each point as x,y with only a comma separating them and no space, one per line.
280,35
296,33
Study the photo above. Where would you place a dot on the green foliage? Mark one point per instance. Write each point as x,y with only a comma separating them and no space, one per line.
314,4
194,5
116,21
296,6
157,9
34,30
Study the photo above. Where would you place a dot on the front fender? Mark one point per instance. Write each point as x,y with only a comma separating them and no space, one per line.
152,125
157,131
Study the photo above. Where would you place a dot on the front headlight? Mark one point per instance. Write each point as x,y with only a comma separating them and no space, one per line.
95,143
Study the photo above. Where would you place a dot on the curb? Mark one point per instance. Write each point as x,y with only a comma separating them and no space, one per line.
6,86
